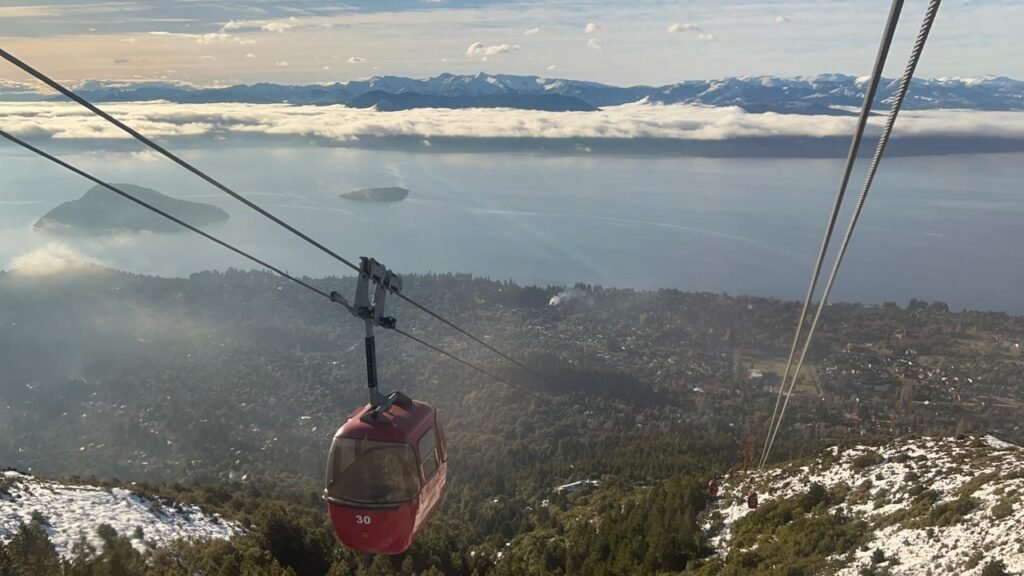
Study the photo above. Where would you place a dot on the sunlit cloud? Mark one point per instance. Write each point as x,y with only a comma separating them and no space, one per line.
47,33
278,27
355,60
217,37
595,43
480,49
50,259
28,11
684,27
203,39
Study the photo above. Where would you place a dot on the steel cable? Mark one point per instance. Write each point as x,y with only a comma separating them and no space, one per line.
869,96
894,110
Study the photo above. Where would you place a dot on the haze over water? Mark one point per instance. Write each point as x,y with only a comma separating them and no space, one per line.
939,228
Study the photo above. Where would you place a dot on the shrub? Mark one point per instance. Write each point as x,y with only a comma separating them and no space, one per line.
816,494
951,513
971,486
867,460
1002,509
994,568
878,556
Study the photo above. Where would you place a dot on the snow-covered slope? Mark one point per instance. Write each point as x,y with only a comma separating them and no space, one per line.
70,512
985,474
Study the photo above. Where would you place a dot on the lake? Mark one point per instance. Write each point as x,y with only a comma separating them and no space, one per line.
939,228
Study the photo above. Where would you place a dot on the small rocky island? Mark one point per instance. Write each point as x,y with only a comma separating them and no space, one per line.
101,211
389,194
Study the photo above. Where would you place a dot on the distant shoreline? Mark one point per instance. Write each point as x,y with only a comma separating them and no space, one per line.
749,147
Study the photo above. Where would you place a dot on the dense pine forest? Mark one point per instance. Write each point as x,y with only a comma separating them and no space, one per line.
224,389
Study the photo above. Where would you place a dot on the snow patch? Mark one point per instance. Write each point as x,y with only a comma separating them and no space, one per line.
889,478
72,512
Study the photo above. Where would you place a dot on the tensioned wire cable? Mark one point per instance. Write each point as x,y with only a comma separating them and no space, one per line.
262,211
461,361
883,142
236,250
869,96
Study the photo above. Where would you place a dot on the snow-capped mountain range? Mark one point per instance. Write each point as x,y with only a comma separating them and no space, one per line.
70,512
810,94
979,480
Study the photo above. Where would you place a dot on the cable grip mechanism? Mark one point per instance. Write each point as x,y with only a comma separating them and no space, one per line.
371,310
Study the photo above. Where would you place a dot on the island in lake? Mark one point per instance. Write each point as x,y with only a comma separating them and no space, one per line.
389,194
101,211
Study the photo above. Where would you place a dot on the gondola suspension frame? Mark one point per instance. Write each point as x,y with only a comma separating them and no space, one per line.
372,312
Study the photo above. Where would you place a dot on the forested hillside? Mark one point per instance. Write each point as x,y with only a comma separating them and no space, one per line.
224,389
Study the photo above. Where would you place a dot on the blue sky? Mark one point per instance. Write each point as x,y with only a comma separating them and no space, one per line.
638,42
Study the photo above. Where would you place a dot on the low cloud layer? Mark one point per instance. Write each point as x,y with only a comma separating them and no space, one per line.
50,259
67,121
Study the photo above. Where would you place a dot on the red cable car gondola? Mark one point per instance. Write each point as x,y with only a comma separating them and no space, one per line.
387,466
386,476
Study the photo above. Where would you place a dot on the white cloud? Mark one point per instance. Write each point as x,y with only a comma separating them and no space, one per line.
595,43
278,27
214,38
552,67
67,121
204,39
831,45
52,258
480,49
356,60
325,68
531,31
591,27
781,20
207,58
281,64
684,27
250,55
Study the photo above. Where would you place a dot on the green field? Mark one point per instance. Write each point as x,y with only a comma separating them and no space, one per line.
806,383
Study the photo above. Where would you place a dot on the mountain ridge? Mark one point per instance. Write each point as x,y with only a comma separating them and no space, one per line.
800,94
